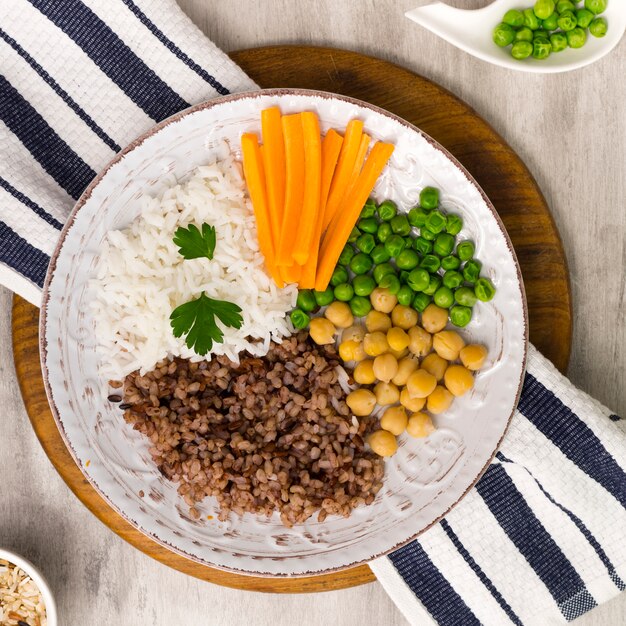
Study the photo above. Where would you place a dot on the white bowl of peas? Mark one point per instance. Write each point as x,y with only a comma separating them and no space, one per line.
545,36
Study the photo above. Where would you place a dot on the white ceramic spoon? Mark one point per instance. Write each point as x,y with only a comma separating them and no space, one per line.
471,31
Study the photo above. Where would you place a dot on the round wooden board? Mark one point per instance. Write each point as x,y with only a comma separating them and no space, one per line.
471,140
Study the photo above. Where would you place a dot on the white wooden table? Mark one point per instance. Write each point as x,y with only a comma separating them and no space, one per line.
571,131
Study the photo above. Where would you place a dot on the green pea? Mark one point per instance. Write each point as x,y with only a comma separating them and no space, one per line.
565,5
433,284
444,244
544,8
417,216
558,41
584,17
324,298
387,210
576,38
344,292
299,318
390,282
365,243
541,34
430,263
368,225
379,254
408,242
354,235
421,301
340,275
404,276
465,250
407,259
541,48
503,35
471,270
521,50
460,315
360,306
484,289
400,225
454,224
363,285
596,6
567,21
394,245
524,34
405,295
423,246
382,270
598,27
384,232
450,262
361,263
444,297
306,300
429,198
514,18
428,234
346,254
551,23
436,221
369,208
465,296
452,279
418,279
530,19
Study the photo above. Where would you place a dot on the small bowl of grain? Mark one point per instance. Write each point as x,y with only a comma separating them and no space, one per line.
25,597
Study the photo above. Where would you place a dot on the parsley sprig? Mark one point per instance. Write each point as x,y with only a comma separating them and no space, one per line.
193,244
196,319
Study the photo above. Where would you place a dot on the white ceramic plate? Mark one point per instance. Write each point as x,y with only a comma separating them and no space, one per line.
423,480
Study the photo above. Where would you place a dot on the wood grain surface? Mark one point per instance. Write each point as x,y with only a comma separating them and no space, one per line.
495,166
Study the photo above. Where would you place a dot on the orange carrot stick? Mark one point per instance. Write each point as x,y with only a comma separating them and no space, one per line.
255,179
345,167
312,182
290,273
358,165
331,146
294,186
274,153
344,221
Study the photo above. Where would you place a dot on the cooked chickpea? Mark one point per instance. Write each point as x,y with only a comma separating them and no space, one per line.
458,379
404,316
386,393
361,402
447,344
411,404
383,300
473,356
364,373
383,443
351,350
397,338
339,314
420,425
421,384
394,420
385,367
356,332
434,318
439,400
375,320
406,367
399,354
322,331
435,365
375,343
421,341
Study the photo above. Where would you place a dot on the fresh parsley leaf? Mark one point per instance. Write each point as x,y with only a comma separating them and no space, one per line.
196,319
193,244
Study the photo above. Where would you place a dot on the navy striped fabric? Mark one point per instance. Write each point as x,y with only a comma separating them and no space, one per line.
17,252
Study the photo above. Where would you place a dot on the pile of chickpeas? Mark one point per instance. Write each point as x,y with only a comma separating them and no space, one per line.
400,364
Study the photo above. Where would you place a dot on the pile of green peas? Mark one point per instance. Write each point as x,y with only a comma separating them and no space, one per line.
550,26
414,255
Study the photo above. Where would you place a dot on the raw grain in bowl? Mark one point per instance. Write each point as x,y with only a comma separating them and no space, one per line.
20,598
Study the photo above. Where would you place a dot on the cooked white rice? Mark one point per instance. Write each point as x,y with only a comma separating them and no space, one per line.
141,277
20,598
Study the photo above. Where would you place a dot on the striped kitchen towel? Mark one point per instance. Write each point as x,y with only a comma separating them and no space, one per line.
540,540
